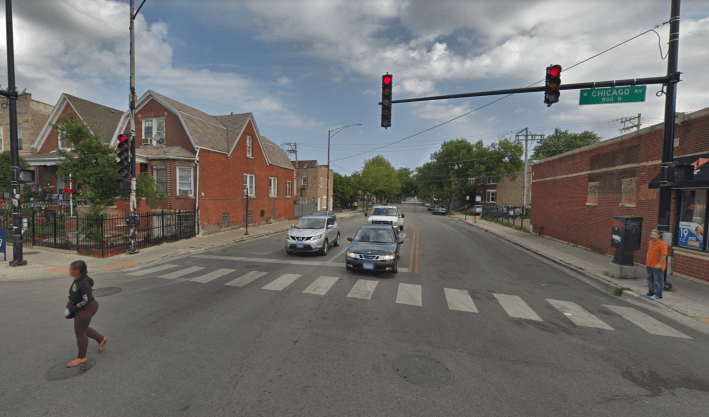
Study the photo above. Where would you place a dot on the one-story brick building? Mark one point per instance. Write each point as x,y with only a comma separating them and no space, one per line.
576,194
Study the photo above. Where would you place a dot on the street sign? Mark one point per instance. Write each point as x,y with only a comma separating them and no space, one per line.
613,95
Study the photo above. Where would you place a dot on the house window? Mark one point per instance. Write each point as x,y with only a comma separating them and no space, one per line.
249,180
324,203
471,181
62,139
184,181
691,230
143,168
490,181
60,183
592,198
628,192
491,195
153,129
160,177
303,200
225,220
304,182
273,187
249,146
19,137
289,186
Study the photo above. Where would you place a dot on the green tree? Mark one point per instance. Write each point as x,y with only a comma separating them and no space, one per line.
408,185
379,178
563,141
5,170
343,189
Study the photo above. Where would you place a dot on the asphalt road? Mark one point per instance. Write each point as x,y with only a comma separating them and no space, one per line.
192,345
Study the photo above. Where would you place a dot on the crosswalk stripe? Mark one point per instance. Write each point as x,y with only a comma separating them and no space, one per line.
280,283
515,307
578,315
213,275
363,289
246,279
321,285
409,294
182,272
153,269
646,322
459,300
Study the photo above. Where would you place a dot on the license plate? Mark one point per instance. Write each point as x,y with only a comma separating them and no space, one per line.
368,265
299,246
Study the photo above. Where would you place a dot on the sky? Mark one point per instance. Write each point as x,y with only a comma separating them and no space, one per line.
306,66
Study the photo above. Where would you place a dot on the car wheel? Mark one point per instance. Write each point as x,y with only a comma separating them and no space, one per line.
401,228
337,241
325,245
289,252
396,268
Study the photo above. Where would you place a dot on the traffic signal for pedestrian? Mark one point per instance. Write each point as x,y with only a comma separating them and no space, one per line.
386,100
123,156
553,81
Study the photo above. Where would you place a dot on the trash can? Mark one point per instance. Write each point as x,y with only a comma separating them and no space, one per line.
626,238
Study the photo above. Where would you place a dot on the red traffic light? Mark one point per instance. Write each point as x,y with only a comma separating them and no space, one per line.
122,138
386,79
555,70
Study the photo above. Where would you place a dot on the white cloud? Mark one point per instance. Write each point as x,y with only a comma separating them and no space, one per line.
283,81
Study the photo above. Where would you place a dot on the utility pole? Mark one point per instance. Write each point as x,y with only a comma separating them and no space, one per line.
665,204
293,149
526,137
634,123
336,131
14,149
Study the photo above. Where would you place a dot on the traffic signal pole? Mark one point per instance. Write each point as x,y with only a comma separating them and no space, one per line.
14,148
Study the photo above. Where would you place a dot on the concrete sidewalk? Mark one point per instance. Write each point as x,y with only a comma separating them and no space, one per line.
45,262
689,297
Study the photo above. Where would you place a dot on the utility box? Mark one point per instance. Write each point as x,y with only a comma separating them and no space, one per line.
626,237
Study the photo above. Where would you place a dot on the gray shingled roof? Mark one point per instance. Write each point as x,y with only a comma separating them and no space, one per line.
275,154
235,124
302,164
162,151
102,120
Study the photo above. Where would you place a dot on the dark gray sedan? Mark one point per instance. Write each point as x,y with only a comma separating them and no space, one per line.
374,248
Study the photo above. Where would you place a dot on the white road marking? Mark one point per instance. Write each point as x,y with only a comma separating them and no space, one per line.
280,283
363,289
578,315
646,322
409,294
337,257
213,275
515,307
246,279
268,261
459,300
151,270
321,285
402,235
182,272
403,269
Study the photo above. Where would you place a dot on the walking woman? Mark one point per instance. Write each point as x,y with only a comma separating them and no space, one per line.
81,307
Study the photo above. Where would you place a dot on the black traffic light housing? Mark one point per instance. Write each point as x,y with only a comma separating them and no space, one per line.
123,156
553,81
386,100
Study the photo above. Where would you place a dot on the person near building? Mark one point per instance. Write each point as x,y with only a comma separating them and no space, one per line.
82,307
656,264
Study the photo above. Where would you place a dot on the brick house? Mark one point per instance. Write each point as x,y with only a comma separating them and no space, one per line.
204,162
311,184
100,120
486,189
576,194
31,116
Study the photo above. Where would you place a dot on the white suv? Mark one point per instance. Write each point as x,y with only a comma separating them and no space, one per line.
386,215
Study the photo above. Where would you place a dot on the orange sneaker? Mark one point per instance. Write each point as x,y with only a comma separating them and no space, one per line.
102,344
76,362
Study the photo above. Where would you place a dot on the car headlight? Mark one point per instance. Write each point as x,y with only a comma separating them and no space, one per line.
387,257
316,237
351,254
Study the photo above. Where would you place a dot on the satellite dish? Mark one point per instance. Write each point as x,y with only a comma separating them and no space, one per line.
159,138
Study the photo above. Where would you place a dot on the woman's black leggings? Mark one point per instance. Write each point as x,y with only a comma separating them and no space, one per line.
82,320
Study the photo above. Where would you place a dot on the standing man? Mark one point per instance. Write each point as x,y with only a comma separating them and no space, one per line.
656,264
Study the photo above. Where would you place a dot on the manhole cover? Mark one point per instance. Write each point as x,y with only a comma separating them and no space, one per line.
102,292
423,371
60,371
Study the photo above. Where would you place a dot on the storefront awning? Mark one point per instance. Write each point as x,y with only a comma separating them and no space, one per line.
701,173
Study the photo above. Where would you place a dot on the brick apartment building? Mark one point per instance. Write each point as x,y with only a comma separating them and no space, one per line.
31,117
576,194
311,184
510,189
486,189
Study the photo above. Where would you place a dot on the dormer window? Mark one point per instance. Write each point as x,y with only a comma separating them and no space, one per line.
62,140
153,130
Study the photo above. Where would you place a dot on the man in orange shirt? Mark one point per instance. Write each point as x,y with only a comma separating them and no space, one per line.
656,264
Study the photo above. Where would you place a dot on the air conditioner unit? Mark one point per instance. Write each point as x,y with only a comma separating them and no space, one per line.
184,192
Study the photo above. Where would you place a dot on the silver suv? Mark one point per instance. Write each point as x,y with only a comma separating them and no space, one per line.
313,234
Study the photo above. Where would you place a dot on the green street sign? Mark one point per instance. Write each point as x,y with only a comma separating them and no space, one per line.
613,95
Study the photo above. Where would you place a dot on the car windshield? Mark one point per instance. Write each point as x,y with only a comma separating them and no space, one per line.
310,224
375,236
320,213
384,212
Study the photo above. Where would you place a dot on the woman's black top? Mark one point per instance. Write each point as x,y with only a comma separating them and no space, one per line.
80,293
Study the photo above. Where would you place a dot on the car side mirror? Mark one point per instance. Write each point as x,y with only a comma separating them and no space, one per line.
330,226
349,239
292,226
401,242
402,215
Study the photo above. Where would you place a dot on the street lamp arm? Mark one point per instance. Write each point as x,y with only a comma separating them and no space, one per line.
138,11
337,130
330,134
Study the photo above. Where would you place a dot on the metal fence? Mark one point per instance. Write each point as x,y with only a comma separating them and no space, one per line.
509,214
300,210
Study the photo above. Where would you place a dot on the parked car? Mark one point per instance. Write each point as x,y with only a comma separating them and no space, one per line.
386,215
374,248
313,234
325,213
430,207
478,209
439,210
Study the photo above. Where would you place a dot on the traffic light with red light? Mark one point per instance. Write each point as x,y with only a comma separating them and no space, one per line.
553,81
123,156
386,100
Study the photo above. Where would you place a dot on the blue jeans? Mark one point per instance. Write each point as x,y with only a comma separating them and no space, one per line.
655,281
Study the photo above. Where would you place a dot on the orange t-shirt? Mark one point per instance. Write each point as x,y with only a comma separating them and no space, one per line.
654,252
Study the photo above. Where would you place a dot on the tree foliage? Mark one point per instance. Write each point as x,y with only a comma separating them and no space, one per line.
343,189
563,141
378,178
5,170
408,184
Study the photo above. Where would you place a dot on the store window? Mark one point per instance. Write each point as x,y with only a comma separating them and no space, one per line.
691,231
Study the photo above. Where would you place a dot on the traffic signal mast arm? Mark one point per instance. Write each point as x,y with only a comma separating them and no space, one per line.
577,86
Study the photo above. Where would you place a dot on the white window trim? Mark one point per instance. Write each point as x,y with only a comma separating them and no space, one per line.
489,193
304,181
271,188
177,183
155,121
289,189
249,146
251,184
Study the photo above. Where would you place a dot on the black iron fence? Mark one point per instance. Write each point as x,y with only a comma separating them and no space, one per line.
506,213
100,236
